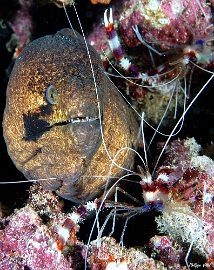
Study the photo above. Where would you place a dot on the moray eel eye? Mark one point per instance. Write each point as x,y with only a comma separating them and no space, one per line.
52,95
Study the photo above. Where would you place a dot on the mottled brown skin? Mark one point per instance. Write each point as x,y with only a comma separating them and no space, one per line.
40,141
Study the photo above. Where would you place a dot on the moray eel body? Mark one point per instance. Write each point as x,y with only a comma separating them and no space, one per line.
52,124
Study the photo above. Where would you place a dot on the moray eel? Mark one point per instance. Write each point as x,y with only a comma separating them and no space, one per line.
52,124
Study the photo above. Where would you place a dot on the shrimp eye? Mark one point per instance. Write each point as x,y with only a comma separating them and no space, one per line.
51,95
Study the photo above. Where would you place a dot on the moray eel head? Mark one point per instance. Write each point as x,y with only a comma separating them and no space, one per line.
52,122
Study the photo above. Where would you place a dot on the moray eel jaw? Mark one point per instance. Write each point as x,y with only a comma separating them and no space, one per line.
65,150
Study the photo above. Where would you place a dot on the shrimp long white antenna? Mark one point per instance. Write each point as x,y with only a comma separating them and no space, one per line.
112,163
97,94
167,107
144,161
69,21
97,217
201,68
150,48
107,192
135,28
127,101
29,180
180,119
144,142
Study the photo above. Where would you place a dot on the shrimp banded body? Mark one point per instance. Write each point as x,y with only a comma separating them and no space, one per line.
60,231
167,65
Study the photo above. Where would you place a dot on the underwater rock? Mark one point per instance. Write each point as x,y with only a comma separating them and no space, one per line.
25,243
44,202
167,251
167,24
190,214
187,218
107,255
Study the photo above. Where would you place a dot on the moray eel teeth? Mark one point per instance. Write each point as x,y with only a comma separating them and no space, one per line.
77,120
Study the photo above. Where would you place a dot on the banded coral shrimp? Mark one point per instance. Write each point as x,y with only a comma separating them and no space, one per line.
188,60
110,206
180,218
171,72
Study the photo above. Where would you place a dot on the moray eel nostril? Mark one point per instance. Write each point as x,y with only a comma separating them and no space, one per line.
52,106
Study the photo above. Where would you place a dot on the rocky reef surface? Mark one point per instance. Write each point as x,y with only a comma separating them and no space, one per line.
28,236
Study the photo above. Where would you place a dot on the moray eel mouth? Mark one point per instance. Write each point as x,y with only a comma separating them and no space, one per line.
76,120
35,124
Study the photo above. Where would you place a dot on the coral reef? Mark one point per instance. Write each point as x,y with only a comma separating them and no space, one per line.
44,202
30,237
166,24
22,25
167,251
105,2
107,255
190,213
58,3
27,243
